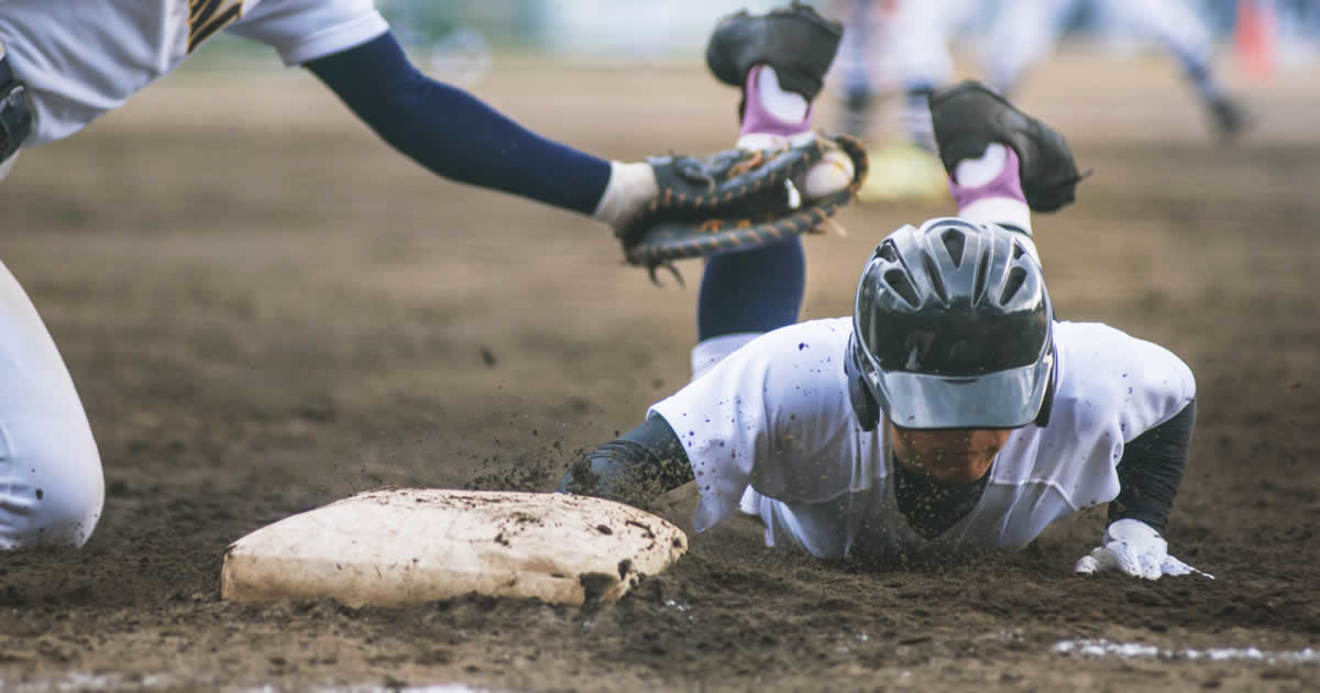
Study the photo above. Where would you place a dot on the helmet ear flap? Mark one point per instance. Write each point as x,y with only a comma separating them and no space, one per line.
1047,402
863,402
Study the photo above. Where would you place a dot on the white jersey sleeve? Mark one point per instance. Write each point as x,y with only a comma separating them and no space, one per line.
1112,387
773,415
303,30
1146,383
81,59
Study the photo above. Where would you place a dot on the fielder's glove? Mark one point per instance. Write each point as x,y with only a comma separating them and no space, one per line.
969,116
742,198
1135,548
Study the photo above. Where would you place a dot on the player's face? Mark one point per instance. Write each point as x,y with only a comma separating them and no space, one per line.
958,455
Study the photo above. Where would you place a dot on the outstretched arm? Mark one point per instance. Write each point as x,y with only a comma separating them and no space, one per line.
1151,469
644,463
1148,473
454,134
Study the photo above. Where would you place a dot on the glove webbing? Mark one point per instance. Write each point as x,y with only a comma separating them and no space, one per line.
670,240
750,175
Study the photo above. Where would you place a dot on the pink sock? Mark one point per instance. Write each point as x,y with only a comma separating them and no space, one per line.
766,106
1006,183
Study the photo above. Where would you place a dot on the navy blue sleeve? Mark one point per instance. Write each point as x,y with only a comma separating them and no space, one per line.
453,133
755,290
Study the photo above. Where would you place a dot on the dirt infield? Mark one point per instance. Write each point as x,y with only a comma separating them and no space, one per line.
265,310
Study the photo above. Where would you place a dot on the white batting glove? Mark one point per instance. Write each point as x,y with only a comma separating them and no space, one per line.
1135,548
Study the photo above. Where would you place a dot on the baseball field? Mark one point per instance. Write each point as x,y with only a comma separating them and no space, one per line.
265,310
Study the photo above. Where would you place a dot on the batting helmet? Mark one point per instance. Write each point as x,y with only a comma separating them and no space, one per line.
952,328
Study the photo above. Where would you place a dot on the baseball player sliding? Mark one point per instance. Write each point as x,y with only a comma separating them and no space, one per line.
951,413
63,63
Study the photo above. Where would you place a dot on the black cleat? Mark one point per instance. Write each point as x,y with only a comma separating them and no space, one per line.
1229,118
795,40
969,116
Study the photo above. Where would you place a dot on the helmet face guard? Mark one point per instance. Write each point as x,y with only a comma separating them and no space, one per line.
1002,399
952,328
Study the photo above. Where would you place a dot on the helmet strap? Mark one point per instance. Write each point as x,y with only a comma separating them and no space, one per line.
1047,402
864,405
863,402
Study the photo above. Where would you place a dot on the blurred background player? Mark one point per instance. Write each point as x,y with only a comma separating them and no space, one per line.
1025,32
901,49
896,48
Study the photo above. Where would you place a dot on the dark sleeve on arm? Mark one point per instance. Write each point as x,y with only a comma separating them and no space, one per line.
645,462
454,134
1151,469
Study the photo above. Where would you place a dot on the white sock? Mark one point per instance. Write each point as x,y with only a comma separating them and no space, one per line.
787,106
972,173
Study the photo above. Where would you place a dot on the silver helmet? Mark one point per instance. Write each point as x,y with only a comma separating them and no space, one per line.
952,328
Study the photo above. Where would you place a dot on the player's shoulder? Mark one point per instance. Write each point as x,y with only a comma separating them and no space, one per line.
801,343
1107,370
1100,349
810,350
808,339
798,367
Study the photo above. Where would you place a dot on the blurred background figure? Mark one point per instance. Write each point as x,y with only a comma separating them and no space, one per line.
895,45
457,53
1297,26
895,51
896,48
1025,32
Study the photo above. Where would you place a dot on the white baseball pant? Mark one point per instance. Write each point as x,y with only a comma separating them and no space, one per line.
51,484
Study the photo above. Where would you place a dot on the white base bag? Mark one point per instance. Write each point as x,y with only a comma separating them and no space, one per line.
393,547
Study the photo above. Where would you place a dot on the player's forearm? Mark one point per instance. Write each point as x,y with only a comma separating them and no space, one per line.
454,134
1151,470
643,463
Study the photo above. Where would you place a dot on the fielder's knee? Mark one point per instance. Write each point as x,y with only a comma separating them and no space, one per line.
51,494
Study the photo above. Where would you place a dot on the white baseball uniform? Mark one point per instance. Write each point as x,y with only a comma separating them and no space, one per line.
1026,30
770,428
80,59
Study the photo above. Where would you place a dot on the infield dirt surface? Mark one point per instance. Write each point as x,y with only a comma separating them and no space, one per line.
265,310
